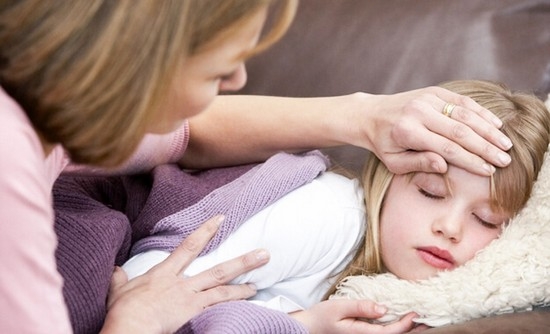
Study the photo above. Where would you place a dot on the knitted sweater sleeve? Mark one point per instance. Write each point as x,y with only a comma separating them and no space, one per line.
153,150
238,317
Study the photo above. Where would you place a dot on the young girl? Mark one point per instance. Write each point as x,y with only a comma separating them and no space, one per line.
87,80
417,223
465,210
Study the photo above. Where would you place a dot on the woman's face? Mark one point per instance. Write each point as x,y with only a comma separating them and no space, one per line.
429,224
216,67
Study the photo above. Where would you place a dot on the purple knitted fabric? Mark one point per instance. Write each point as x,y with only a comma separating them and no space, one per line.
242,317
170,190
237,200
92,237
99,218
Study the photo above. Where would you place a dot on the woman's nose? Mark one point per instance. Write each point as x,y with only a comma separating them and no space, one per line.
449,225
236,81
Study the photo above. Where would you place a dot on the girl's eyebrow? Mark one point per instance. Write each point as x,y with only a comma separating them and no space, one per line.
429,176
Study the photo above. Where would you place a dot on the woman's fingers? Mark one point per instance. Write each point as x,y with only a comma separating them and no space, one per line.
224,293
466,102
218,275
226,271
210,286
432,132
190,247
480,120
460,144
457,111
430,150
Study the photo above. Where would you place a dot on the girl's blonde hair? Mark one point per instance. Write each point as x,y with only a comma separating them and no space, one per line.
526,121
92,74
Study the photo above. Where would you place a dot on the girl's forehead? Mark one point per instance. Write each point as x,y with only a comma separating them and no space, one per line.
456,179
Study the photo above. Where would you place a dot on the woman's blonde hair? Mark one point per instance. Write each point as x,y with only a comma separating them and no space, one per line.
526,121
92,74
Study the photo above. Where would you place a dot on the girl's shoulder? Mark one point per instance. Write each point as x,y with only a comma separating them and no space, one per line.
326,215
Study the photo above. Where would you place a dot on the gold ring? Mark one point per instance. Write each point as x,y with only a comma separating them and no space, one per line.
448,109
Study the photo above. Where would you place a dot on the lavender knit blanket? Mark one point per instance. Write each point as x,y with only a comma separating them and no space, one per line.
101,221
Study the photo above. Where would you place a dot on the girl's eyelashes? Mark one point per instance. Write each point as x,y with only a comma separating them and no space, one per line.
484,222
430,195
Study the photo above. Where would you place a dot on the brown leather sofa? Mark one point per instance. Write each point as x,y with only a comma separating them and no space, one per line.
387,46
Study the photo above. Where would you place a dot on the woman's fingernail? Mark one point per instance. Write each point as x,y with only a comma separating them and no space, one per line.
437,167
504,158
506,142
489,168
380,309
262,254
497,122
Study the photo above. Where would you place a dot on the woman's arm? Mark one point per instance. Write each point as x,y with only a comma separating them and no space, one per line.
407,131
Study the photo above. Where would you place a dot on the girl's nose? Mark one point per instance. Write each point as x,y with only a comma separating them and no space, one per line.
448,225
235,81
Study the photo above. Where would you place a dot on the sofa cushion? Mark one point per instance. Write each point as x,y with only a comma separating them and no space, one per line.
387,46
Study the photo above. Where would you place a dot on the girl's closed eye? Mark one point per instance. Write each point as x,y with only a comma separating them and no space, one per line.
434,189
491,219
486,223
430,195
431,186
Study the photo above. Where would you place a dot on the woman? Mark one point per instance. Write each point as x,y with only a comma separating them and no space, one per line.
85,81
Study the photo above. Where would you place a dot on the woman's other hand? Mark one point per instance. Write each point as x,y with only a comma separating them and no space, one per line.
162,300
409,132
344,316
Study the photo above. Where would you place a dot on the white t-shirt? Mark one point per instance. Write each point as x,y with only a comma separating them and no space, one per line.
310,233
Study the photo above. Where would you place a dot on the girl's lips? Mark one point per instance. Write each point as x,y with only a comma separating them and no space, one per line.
436,257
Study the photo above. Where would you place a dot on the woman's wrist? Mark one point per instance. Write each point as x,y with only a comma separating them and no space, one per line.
354,122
